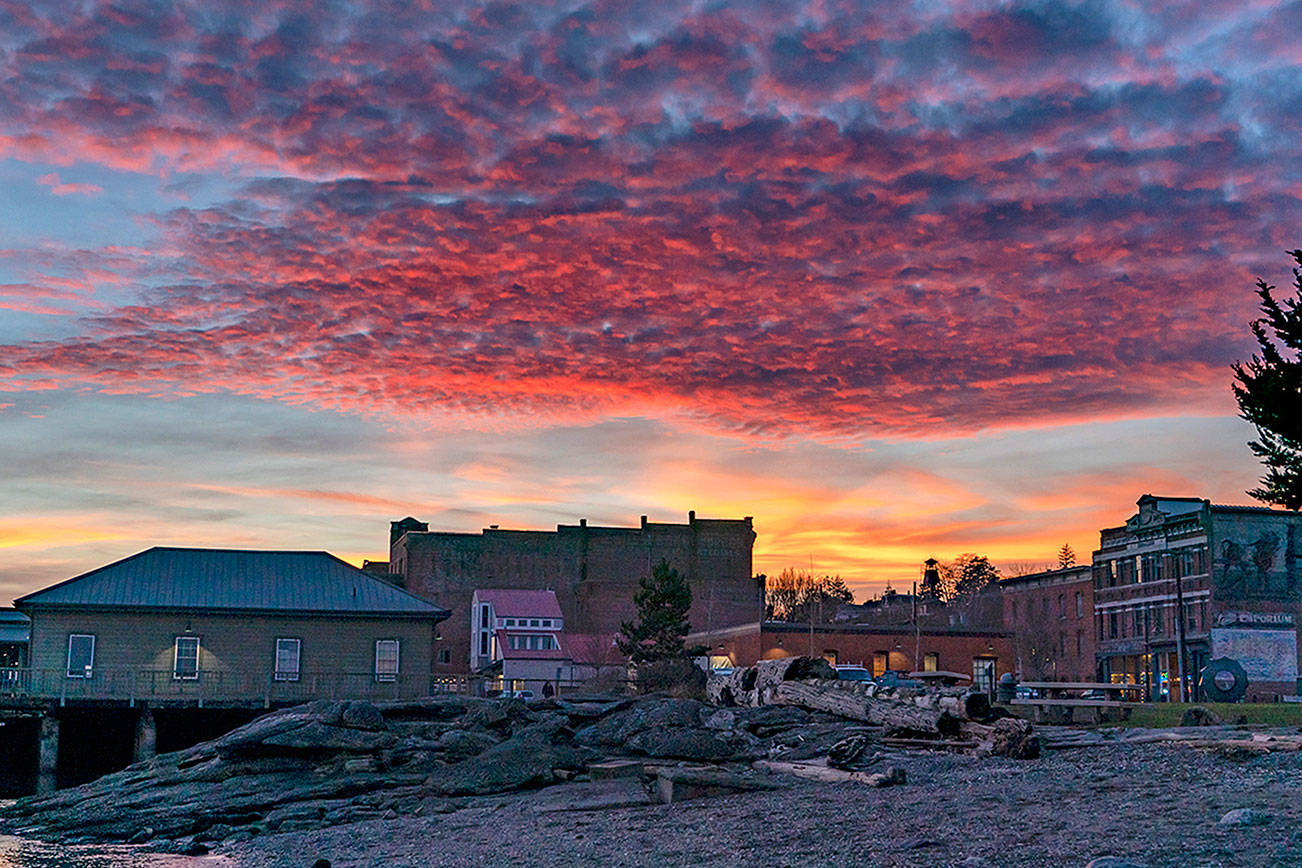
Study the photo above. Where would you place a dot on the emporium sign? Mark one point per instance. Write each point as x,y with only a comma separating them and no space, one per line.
1254,619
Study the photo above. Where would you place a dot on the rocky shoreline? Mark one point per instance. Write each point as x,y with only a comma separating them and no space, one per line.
572,781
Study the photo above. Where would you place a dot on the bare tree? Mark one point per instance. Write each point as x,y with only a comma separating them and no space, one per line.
795,595
1017,569
1038,648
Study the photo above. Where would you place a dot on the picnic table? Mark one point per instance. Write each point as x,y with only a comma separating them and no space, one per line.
1059,703
947,679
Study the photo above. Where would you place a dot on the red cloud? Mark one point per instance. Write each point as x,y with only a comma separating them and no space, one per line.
774,221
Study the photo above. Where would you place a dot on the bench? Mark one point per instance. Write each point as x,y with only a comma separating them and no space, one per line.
1067,707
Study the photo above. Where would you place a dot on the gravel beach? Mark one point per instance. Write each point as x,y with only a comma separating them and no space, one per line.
1153,805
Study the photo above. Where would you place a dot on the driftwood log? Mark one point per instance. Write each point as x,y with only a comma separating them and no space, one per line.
747,685
825,696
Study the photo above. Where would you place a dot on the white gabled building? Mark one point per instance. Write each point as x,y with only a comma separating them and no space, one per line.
519,636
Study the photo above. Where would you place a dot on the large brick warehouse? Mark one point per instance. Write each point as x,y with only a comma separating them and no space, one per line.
593,570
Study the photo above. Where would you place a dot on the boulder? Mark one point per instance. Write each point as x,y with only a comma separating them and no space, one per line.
893,776
700,745
459,744
1199,716
616,729
529,759
362,715
315,736
1242,817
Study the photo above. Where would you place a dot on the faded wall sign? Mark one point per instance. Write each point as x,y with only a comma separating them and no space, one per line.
1265,655
1256,557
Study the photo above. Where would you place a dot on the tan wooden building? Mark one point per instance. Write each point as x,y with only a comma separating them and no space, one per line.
227,627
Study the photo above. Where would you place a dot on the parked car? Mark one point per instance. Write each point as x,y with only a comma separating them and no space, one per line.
526,695
853,673
894,678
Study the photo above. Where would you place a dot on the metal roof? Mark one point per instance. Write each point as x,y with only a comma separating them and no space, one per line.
273,581
515,603
15,627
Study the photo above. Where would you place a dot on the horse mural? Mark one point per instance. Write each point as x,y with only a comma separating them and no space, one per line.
1246,568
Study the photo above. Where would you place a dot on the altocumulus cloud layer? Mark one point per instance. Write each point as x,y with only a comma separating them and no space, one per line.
825,218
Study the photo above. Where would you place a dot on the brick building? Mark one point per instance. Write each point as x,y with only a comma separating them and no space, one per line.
1219,581
593,570
1051,616
982,654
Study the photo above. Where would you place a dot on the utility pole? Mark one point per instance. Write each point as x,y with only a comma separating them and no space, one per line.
1179,630
917,630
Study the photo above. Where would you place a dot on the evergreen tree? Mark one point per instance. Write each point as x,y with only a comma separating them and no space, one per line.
1066,556
1269,392
663,600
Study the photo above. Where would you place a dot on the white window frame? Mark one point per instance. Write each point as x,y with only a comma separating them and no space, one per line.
176,658
287,674
386,676
89,669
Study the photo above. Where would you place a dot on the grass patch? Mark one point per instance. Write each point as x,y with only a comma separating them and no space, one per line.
1165,714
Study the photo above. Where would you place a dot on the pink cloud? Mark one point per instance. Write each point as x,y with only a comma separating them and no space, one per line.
59,188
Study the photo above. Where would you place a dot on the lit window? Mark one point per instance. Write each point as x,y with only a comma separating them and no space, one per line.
288,653
931,661
81,655
386,660
185,659
445,656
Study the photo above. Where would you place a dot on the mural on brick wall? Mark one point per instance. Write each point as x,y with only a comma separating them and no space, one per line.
1256,558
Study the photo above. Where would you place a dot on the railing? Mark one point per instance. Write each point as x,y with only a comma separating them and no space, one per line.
161,685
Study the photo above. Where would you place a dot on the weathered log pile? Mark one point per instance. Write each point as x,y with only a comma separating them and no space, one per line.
945,717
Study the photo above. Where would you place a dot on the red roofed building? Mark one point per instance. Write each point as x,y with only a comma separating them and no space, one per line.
519,636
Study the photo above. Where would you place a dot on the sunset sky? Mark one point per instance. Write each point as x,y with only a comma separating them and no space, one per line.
898,279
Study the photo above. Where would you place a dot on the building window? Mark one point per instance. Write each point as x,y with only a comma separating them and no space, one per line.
483,644
1080,609
185,658
1080,643
445,656
880,659
1112,625
1139,622
1062,607
288,654
81,655
386,659
510,622
930,661
485,621
1157,619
